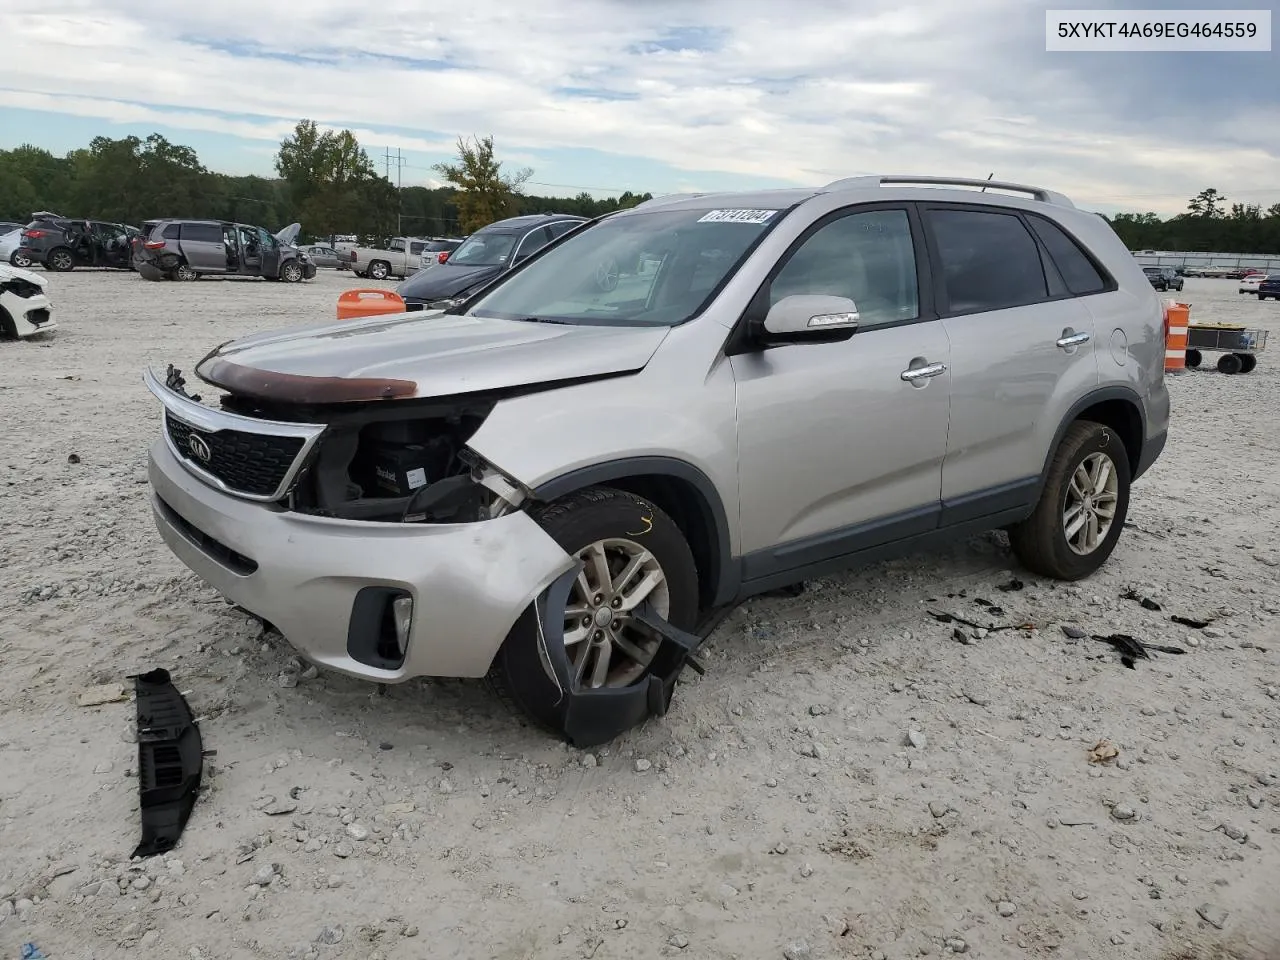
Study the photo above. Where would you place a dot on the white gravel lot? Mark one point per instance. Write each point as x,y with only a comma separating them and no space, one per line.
848,780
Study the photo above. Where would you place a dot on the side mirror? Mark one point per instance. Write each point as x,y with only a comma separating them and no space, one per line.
809,317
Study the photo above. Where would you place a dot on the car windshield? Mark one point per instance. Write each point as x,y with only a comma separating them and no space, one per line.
1151,269
637,269
485,249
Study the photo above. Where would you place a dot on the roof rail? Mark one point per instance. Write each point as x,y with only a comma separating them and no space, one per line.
1039,193
667,198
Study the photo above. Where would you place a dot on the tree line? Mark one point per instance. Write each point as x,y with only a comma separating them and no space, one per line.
325,181
1210,224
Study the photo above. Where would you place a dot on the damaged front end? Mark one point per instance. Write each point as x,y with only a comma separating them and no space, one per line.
375,539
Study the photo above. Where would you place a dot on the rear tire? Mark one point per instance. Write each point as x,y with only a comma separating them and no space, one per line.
20,260
378,270
60,260
185,272
1248,362
1230,363
1082,508
633,528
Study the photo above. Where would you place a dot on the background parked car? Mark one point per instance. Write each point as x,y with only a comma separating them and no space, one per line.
322,256
482,256
1163,278
1250,283
60,244
401,257
1270,287
10,242
189,249
438,250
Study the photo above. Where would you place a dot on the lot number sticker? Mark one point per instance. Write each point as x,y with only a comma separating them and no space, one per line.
737,216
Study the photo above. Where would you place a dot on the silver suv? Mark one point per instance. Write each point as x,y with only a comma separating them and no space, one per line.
563,481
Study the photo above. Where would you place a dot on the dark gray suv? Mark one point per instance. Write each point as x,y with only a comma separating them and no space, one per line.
189,249
61,244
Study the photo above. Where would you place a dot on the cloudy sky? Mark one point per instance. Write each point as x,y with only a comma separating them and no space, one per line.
658,95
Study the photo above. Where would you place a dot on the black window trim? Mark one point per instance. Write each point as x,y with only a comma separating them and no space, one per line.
1109,284
1048,264
743,339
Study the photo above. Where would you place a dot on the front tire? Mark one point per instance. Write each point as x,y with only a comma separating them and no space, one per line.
291,272
1230,363
1082,508
1248,362
634,554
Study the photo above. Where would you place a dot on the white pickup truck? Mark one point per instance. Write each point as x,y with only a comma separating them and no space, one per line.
401,258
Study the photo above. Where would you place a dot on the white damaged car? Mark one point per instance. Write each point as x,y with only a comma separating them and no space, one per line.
24,305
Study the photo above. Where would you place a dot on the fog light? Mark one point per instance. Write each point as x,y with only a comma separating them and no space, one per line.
402,612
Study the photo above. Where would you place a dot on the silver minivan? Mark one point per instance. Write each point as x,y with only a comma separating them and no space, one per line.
564,479
189,249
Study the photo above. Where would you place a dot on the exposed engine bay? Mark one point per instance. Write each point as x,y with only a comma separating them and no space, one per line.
405,462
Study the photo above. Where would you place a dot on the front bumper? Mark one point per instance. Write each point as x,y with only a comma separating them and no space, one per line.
30,315
309,270
469,582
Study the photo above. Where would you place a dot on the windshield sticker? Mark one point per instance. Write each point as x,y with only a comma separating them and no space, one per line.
737,216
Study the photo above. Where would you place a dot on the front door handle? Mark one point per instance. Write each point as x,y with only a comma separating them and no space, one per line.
1072,339
922,373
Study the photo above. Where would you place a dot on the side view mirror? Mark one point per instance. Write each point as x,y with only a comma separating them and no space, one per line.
805,317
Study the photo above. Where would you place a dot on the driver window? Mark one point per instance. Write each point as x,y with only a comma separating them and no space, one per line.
267,240
867,257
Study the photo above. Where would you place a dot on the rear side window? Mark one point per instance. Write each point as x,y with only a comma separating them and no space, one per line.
171,231
990,261
1079,273
416,248
560,229
201,232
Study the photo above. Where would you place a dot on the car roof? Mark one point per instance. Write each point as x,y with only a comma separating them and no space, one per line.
528,220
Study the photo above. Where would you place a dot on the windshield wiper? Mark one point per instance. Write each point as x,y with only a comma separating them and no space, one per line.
563,323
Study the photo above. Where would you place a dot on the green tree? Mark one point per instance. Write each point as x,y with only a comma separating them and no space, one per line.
332,182
482,192
1207,203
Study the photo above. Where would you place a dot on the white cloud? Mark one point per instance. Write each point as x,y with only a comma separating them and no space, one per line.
802,93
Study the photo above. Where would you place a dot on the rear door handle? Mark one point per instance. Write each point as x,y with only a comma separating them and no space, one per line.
922,373
1073,340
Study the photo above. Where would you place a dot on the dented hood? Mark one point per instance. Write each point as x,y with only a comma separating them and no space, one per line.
421,355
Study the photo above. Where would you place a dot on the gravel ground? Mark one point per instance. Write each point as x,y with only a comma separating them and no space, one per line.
848,780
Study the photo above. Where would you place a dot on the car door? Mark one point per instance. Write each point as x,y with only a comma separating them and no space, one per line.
203,246
270,253
1022,350
840,444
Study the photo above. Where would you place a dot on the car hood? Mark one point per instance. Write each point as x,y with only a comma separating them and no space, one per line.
289,234
426,354
445,280
15,273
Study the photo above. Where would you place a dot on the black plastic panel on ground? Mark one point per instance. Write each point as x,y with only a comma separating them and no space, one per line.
251,463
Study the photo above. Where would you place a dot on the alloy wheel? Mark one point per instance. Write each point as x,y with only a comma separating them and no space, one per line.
1090,509
606,646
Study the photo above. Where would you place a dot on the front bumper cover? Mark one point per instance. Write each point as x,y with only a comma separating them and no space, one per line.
469,582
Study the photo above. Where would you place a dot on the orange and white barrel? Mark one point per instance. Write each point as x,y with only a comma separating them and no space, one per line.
1177,317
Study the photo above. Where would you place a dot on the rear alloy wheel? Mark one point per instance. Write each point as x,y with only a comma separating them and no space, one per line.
185,272
60,260
19,259
291,272
1082,507
378,270
633,556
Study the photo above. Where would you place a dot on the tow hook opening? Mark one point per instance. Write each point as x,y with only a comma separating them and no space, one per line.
591,716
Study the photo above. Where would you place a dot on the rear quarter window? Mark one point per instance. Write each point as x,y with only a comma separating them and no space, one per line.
1077,269
171,231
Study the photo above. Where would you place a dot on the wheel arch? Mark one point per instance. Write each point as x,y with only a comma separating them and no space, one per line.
1119,408
685,494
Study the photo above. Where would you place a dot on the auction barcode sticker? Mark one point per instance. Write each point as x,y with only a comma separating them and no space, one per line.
1129,31
737,216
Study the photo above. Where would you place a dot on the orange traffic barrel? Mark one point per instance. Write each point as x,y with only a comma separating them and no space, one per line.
1177,317
369,302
